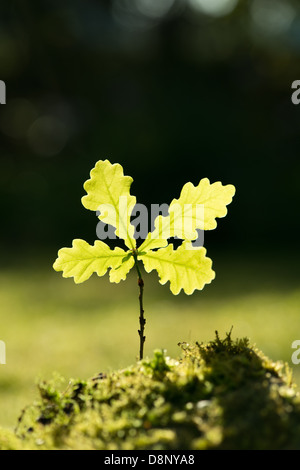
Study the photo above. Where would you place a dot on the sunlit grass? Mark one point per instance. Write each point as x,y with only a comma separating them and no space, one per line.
50,324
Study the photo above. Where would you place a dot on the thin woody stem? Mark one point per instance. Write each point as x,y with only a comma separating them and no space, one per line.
141,317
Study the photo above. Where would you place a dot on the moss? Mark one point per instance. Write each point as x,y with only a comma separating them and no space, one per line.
221,395
8,440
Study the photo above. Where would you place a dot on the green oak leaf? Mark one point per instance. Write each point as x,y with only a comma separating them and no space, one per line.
186,268
82,260
197,208
120,272
108,191
212,198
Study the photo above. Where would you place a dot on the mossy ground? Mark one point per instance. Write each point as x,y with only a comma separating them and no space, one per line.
221,395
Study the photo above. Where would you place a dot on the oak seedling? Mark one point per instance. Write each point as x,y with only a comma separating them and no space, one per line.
186,268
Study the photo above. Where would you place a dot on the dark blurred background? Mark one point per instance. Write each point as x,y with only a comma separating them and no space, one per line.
173,90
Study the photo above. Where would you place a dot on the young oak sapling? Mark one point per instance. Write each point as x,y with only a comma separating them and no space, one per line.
186,268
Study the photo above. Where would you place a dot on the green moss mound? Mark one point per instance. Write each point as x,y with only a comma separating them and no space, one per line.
220,395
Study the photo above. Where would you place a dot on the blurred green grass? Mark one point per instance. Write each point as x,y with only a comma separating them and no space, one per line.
49,324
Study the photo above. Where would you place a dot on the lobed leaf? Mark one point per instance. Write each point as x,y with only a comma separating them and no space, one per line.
211,198
108,191
120,272
197,208
185,268
82,260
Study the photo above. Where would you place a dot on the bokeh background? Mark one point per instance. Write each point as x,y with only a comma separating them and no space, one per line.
174,91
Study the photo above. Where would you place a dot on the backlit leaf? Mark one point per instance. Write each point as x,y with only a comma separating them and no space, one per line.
185,268
82,260
197,208
210,200
120,272
108,191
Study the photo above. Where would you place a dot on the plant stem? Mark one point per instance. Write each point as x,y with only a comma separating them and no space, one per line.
141,317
